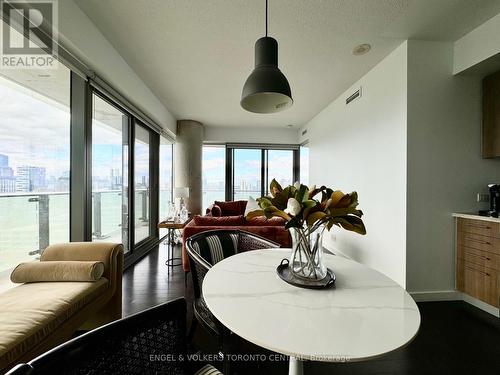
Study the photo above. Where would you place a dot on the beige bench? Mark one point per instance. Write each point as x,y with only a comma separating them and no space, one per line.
35,317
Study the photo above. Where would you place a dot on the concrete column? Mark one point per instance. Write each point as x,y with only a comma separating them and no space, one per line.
187,161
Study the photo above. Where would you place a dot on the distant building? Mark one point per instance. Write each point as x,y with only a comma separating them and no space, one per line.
63,182
5,170
7,179
7,184
30,178
4,160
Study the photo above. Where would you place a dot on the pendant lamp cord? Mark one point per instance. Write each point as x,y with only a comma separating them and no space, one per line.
266,18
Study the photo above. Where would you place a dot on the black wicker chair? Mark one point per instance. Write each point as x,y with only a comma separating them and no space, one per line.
206,249
151,342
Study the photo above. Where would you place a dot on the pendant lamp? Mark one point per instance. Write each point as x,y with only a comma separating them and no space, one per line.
266,90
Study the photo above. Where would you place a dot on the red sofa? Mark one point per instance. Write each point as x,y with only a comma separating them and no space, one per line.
229,215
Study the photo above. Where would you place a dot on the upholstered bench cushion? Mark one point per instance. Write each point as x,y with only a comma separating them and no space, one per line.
31,312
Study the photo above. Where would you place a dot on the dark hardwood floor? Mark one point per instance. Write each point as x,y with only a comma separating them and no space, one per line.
454,338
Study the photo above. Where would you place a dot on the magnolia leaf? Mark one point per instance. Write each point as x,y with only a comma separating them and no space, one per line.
336,212
336,198
256,213
315,190
280,200
354,199
309,210
264,202
314,217
272,211
294,223
309,203
302,193
351,223
275,188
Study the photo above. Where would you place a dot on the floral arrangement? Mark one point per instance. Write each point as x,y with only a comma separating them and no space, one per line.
309,208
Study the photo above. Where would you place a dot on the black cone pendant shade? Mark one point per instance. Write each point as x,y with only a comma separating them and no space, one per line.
266,90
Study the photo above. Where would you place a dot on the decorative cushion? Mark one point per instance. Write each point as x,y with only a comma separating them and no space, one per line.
233,208
215,211
34,272
252,205
261,221
210,221
216,247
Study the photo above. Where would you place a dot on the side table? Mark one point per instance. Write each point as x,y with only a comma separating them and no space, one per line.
172,227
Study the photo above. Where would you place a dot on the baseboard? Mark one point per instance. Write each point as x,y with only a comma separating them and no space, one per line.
442,295
454,295
481,305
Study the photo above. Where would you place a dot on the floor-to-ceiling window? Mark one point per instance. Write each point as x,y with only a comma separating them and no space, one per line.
66,176
34,162
166,177
213,176
141,183
253,167
279,166
304,164
247,173
110,211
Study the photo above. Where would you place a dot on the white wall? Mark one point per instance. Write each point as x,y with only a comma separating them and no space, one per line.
84,40
445,168
362,147
220,134
478,45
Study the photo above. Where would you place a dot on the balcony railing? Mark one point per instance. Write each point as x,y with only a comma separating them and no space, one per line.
29,222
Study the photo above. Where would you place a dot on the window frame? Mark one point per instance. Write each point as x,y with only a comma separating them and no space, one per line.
229,170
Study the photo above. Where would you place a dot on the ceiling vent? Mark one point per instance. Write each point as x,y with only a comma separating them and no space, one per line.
354,96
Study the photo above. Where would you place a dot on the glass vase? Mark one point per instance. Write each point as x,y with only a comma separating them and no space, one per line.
306,260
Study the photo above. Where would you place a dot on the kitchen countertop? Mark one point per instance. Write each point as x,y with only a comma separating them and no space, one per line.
475,216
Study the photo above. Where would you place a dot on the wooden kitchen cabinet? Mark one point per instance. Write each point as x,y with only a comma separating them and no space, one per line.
491,116
478,259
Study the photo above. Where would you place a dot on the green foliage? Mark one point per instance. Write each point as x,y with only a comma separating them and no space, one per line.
301,207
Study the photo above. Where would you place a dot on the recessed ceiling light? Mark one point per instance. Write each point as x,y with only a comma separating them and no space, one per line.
361,49
289,126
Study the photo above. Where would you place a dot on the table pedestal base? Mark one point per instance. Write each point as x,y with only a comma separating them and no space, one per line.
295,366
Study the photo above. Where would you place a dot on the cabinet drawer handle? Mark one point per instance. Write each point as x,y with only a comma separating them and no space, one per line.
478,241
480,256
478,226
481,272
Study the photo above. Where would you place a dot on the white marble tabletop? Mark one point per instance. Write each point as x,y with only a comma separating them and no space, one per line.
366,315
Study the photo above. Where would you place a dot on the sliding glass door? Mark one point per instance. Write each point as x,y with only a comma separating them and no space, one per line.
141,183
109,172
34,163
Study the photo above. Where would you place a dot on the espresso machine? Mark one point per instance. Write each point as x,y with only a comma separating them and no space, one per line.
494,201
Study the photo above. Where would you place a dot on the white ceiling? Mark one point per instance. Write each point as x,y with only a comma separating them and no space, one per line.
196,54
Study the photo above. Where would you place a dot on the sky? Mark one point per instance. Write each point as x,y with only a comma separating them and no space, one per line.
35,131
32,131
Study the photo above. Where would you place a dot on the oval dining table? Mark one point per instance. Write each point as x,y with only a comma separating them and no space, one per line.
364,316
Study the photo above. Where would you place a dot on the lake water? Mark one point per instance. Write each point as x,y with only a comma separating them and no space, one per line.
19,221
